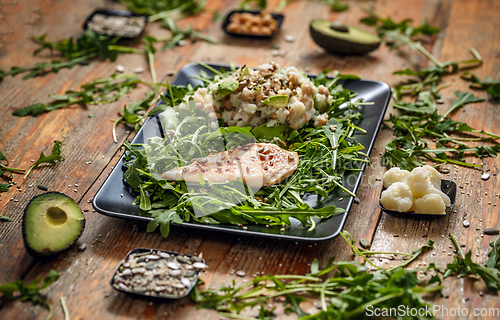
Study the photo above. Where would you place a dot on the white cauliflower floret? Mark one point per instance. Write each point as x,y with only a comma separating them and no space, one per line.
422,181
418,191
395,175
433,175
397,197
431,203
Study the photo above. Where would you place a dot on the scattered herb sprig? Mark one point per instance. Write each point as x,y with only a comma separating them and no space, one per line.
345,295
420,121
160,9
463,266
489,84
135,114
87,46
6,172
103,90
50,159
252,5
350,287
32,291
180,35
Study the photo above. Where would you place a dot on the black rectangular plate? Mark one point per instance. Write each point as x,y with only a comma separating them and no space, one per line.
115,197
278,17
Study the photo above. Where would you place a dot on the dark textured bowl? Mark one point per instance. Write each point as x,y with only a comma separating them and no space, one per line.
447,186
116,13
278,17
115,285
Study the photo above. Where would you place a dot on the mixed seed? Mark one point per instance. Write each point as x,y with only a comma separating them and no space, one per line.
117,25
158,273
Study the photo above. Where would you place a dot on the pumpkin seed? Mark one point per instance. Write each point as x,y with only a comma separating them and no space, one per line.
491,231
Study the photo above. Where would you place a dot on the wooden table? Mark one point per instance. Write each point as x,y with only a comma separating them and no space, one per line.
90,154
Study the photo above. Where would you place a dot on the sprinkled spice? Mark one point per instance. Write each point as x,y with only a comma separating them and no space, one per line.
158,273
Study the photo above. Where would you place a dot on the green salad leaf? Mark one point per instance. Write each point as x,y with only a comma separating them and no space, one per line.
50,159
31,291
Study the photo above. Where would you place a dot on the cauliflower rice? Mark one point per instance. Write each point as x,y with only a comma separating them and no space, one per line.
244,106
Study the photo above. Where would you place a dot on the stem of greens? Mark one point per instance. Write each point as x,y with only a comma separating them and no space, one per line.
415,45
65,309
358,252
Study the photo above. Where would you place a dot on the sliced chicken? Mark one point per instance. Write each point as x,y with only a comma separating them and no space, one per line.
257,164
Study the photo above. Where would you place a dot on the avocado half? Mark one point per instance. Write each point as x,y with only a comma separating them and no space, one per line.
52,222
343,40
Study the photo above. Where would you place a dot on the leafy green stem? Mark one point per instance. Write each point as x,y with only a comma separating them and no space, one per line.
396,35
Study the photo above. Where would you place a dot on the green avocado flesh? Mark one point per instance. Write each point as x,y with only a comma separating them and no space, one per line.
52,222
343,40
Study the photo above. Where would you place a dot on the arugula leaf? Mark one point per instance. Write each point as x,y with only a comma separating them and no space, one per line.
89,45
387,24
337,5
178,34
423,105
252,5
4,187
103,90
6,171
218,17
491,85
50,159
227,88
163,218
165,8
463,99
263,132
31,291
463,266
494,255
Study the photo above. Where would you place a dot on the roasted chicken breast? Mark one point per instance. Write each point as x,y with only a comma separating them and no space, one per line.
257,164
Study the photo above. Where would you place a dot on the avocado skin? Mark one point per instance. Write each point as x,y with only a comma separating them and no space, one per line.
340,46
26,216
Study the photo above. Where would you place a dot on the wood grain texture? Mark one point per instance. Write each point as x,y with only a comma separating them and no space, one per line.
85,275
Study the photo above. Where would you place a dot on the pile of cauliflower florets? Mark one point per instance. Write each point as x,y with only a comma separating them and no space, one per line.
418,191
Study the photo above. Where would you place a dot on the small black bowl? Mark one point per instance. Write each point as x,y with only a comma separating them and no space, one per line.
117,13
447,186
278,17
151,265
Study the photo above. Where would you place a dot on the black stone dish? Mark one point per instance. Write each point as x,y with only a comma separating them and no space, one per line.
117,13
139,294
447,186
115,197
278,17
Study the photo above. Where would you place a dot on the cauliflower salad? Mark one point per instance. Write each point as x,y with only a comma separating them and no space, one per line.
418,191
